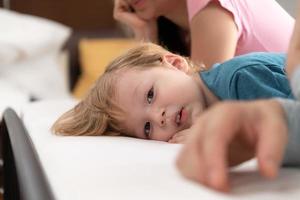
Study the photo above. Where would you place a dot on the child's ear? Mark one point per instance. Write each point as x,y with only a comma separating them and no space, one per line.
176,61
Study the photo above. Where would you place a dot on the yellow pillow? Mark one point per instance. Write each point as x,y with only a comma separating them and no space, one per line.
95,55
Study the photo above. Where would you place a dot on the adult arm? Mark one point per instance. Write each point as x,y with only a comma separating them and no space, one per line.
292,152
292,108
213,34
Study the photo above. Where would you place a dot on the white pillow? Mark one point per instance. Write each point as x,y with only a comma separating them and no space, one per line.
42,77
25,36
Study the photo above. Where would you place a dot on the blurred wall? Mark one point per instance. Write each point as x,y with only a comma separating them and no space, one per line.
289,5
78,14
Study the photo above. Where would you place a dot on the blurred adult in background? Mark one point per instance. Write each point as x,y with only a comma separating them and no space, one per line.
208,31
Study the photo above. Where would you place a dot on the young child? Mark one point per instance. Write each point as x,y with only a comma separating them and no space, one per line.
151,93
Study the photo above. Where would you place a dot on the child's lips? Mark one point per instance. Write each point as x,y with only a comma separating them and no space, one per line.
181,117
184,116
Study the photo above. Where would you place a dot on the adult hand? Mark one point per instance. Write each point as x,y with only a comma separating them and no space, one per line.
142,29
230,133
179,137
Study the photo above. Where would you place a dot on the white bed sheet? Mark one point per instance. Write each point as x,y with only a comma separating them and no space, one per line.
127,168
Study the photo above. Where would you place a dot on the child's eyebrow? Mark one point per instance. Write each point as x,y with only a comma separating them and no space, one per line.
136,89
140,92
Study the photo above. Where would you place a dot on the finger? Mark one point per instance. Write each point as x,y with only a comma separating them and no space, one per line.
218,135
179,136
178,139
120,7
183,132
215,152
271,147
121,4
189,162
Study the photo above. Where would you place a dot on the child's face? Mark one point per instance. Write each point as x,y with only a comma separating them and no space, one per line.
159,101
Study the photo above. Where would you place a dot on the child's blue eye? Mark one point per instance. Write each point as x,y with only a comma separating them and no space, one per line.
147,129
150,95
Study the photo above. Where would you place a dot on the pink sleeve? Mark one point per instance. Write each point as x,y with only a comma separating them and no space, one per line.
194,6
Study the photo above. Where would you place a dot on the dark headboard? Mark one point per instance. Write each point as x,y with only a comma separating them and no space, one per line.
78,14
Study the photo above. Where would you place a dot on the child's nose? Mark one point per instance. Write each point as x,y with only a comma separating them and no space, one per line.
160,118
163,118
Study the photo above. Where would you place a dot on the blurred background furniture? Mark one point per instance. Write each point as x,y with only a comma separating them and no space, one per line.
79,15
87,18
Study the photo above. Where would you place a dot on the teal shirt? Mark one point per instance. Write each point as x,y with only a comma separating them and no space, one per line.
251,76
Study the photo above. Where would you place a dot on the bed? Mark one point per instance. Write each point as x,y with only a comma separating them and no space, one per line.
40,165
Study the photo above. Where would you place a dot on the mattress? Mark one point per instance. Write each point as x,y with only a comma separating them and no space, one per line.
104,167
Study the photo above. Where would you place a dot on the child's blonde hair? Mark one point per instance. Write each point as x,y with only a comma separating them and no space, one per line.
98,113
